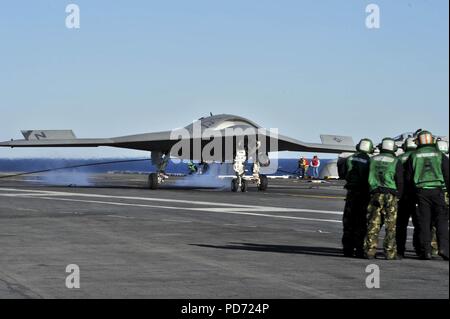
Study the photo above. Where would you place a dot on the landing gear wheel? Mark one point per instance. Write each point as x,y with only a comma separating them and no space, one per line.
244,186
234,185
264,183
153,181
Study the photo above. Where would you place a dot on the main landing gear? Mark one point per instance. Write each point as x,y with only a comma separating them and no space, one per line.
160,160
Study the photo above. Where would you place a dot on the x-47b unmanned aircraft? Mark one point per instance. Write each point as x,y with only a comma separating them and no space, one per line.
216,138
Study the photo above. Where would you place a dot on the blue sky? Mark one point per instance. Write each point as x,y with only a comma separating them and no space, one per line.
305,67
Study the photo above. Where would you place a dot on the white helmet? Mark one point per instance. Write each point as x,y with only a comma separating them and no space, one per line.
442,146
388,145
409,144
365,145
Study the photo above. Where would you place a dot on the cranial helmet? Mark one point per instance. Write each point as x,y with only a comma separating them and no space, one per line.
365,146
409,144
388,145
425,138
442,146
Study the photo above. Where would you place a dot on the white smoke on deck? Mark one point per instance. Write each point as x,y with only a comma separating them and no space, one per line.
74,177
209,179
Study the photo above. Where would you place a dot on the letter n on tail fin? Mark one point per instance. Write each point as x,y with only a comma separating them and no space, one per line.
37,135
337,140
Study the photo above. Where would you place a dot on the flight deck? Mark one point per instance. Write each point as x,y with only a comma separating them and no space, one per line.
184,241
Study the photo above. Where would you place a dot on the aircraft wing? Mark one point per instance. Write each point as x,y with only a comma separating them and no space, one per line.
63,138
163,141
290,144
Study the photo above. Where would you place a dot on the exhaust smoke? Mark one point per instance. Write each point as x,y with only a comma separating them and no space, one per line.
73,178
208,179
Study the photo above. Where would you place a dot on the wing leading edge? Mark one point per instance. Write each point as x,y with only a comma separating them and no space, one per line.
163,141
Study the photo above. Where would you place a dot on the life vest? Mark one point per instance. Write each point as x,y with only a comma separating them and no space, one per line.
382,171
427,165
357,171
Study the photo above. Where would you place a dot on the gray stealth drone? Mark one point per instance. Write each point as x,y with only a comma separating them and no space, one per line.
227,127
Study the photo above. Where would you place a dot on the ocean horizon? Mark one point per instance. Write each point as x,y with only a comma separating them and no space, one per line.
114,164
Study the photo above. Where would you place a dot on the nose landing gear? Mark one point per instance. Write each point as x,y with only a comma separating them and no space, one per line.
239,169
241,182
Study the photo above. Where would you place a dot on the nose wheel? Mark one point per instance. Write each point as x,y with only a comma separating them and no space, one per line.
263,183
236,187
244,186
